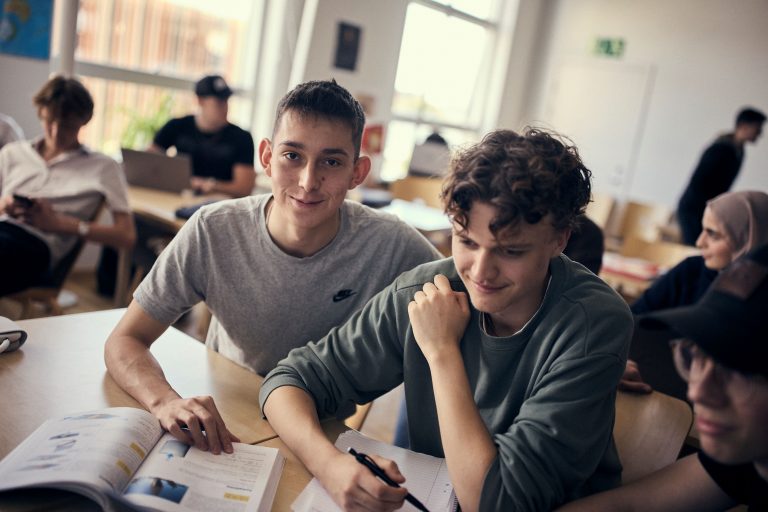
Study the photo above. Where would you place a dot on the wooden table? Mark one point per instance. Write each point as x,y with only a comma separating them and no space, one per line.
432,222
628,276
295,476
159,208
60,370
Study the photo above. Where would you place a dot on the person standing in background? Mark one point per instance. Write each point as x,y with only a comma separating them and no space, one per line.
10,131
222,153
716,171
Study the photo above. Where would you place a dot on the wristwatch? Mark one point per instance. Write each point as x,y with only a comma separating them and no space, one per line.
83,228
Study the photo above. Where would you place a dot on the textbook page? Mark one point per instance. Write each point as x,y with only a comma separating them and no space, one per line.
426,477
94,453
176,476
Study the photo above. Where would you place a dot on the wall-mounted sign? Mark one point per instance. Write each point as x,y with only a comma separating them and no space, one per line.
347,46
609,47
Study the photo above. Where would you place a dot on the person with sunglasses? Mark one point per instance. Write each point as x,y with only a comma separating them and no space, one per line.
721,350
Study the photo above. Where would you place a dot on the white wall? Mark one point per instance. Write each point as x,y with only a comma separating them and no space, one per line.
382,29
381,24
20,78
706,60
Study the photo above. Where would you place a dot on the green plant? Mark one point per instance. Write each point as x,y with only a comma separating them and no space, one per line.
141,129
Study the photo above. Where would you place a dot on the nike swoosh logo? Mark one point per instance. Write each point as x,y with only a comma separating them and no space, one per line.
343,294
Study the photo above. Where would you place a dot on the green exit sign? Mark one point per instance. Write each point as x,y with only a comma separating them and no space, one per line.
609,46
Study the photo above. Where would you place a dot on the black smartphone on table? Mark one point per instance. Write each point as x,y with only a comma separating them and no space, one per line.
24,201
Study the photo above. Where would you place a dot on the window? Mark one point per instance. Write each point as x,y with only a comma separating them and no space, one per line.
442,75
141,58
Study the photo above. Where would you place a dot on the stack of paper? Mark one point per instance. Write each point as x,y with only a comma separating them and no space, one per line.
426,477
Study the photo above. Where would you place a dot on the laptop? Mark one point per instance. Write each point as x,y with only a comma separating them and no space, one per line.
155,170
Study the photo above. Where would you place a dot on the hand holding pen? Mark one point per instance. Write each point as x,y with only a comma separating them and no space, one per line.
368,462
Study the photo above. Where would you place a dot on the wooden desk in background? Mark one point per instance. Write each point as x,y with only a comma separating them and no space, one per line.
159,208
60,370
630,277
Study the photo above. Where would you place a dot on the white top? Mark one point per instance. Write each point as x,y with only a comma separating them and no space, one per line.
74,183
10,131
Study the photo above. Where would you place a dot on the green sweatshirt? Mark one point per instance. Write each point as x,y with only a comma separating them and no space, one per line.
546,394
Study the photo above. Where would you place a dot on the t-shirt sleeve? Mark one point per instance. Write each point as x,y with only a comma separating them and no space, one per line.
562,433
358,361
245,151
166,136
177,280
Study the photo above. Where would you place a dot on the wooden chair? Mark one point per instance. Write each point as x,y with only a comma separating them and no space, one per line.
414,188
599,210
664,254
649,431
642,220
47,288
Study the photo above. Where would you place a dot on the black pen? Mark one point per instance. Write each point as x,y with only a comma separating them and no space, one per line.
376,470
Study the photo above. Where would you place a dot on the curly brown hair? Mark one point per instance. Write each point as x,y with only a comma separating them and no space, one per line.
526,177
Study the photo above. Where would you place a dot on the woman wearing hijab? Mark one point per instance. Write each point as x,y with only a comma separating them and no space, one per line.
733,223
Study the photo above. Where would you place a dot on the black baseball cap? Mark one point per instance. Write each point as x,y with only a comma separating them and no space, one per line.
213,85
730,322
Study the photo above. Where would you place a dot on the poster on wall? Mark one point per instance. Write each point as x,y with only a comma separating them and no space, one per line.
347,46
25,28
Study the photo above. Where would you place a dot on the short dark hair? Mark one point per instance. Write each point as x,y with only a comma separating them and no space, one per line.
66,100
324,98
749,116
526,177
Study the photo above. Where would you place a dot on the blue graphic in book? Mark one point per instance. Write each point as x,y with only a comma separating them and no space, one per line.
160,487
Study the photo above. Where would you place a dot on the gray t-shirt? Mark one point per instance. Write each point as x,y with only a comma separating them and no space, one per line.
264,301
546,394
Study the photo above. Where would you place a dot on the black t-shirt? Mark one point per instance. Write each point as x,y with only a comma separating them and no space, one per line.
715,173
213,154
740,482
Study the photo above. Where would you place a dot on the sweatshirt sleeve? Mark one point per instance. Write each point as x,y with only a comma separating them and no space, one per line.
357,361
670,289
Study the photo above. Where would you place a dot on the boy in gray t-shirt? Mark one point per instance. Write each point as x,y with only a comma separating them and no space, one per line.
276,270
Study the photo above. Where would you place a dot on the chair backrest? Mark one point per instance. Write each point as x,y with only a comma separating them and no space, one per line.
600,208
664,254
412,188
642,220
47,287
649,431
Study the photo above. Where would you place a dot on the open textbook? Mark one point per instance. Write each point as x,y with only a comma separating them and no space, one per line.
121,458
426,477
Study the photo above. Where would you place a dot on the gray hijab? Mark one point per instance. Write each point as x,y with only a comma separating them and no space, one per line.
745,218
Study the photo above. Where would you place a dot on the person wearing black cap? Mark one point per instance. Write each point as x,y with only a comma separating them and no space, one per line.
721,350
222,153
